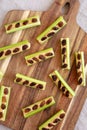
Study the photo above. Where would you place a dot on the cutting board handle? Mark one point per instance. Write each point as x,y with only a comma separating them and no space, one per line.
62,2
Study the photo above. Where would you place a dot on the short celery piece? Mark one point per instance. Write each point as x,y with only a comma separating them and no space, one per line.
55,27
14,49
80,68
61,84
23,24
53,121
29,82
38,106
39,56
65,53
4,100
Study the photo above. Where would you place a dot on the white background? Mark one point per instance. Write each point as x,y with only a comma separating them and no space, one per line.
6,5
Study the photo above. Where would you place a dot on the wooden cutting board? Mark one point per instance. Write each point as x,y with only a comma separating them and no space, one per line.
22,96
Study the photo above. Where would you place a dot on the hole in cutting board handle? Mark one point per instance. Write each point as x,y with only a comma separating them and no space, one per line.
65,9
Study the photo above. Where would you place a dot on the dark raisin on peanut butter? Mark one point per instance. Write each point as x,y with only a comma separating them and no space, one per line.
60,24
1,53
64,58
55,28
40,86
64,66
56,120
45,129
18,79
26,82
4,99
78,65
59,84
17,25
9,27
32,84
50,34
67,93
42,103
64,42
62,115
63,50
80,80
50,125
54,77
78,56
34,20
41,57
30,61
63,89
49,54
24,47
8,52
3,106
16,50
5,91
35,59
25,22
27,110
35,107
49,101
43,38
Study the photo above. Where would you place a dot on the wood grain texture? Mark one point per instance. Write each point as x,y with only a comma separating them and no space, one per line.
22,96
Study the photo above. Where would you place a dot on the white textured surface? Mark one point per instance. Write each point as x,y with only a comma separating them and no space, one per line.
7,5
82,15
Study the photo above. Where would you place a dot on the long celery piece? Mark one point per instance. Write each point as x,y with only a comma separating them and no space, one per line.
23,24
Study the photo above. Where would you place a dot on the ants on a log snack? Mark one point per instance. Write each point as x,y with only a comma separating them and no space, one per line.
51,30
14,49
61,84
38,106
39,56
53,121
23,24
4,100
65,53
29,82
80,68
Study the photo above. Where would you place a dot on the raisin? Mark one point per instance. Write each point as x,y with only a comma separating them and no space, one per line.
17,25
18,79
60,24
16,50
24,47
42,103
25,22
8,52
35,107
64,42
5,91
1,53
